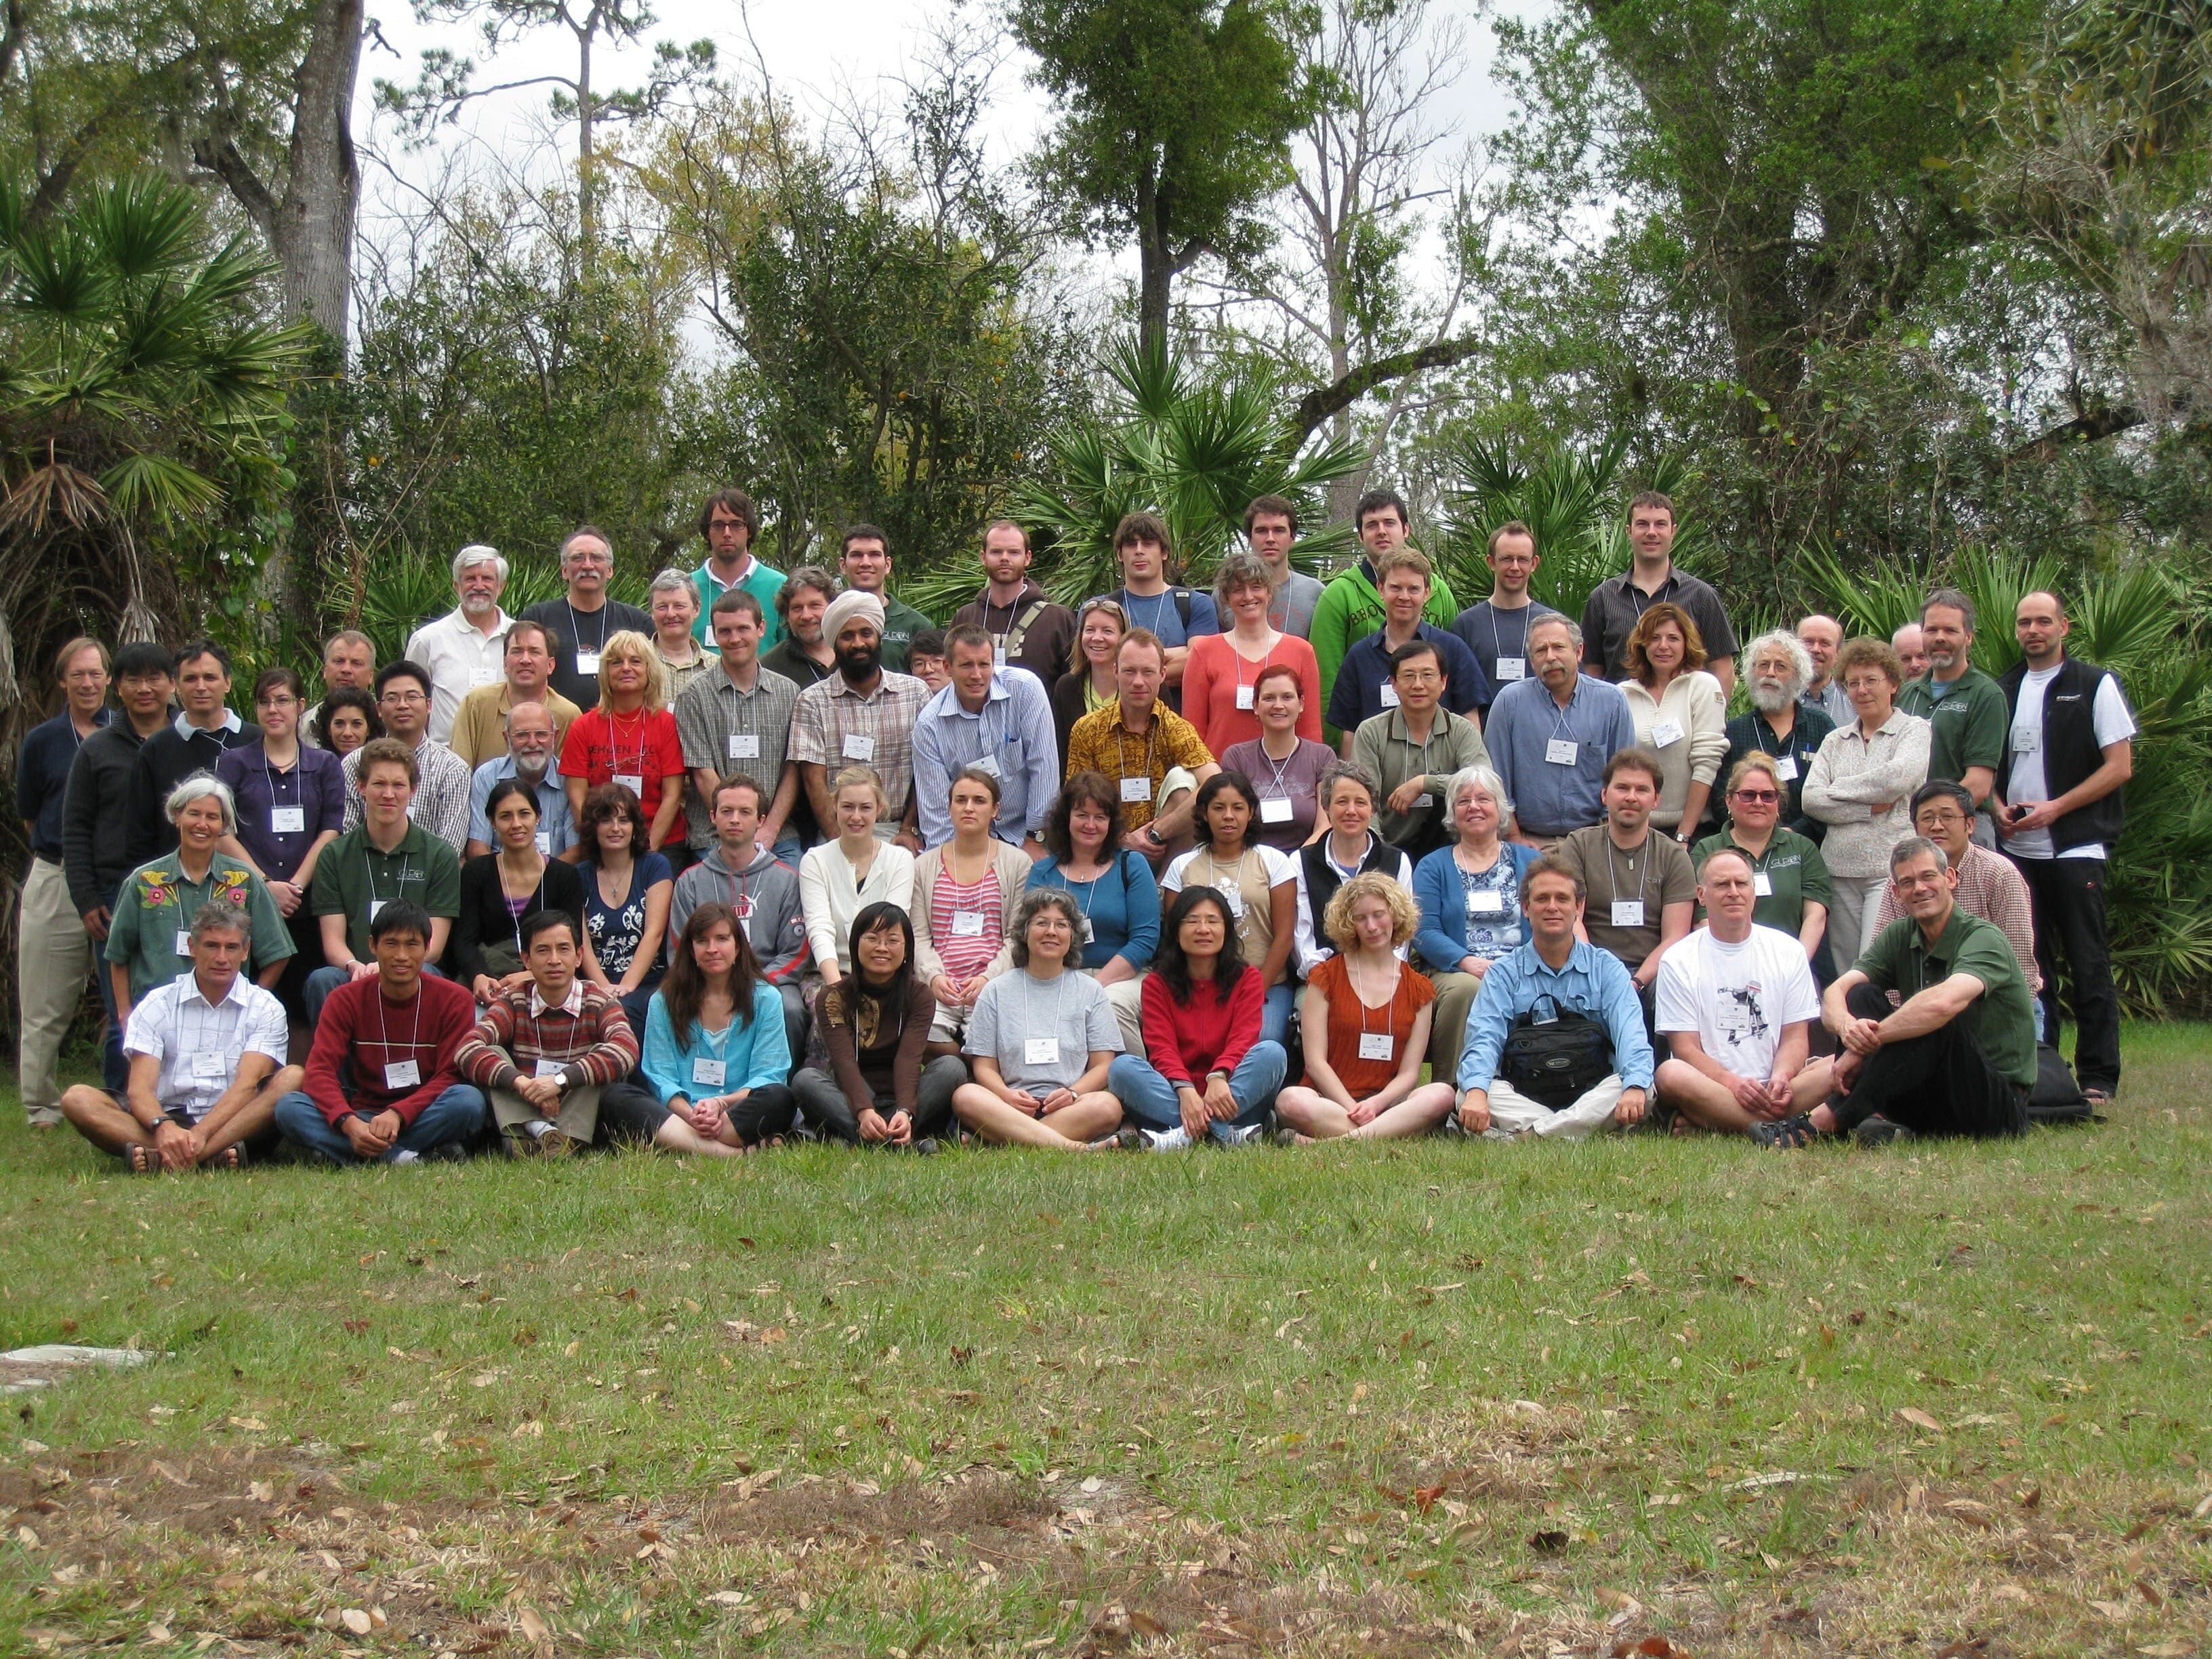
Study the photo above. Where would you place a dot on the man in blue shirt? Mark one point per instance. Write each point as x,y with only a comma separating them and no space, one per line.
1532,987
532,753
998,719
1176,614
1549,737
1363,687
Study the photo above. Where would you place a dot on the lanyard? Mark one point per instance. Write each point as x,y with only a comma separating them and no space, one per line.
1344,871
1563,717
1279,767
614,745
1120,750
514,917
1497,641
400,887
1163,603
1642,877
414,1034
576,629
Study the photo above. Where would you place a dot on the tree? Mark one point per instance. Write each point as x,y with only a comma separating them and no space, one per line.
1174,120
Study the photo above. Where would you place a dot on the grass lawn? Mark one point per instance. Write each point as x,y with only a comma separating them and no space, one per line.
1946,1400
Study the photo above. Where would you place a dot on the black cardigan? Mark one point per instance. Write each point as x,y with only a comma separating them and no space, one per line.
484,921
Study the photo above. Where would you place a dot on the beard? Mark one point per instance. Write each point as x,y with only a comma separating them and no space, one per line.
857,663
1770,697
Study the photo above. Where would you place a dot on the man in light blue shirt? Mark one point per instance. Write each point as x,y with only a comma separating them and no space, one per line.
530,757
997,718
1550,735
1551,977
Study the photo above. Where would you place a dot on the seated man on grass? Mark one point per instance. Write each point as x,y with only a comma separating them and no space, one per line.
1736,1004
1958,1058
382,1085
555,1055
1555,1043
206,1053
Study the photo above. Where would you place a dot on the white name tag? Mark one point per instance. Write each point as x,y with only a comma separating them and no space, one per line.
633,781
967,924
1666,734
709,1072
1244,695
1087,932
1762,883
988,765
1136,789
1275,809
1484,903
587,662
1513,668
484,677
1374,1045
209,1065
1628,913
1234,898
2023,740
1785,768
998,653
858,746
745,745
374,905
1422,802
1041,1051
184,941
287,820
552,1067
1389,695
402,1074
544,840
1560,753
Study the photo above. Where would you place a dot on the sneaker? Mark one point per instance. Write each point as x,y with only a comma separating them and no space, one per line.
407,1155
1282,1135
446,1152
925,1147
539,1137
1166,1141
1879,1131
1227,1134
1784,1134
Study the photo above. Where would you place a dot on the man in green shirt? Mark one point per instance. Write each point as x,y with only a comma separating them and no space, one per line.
1958,1057
1965,708
1351,607
385,856
866,565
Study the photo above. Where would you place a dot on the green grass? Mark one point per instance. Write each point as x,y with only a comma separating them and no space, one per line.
1430,1398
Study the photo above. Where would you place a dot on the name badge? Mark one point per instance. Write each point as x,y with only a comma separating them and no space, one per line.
484,677
1512,668
1374,1045
184,941
632,781
858,746
1244,695
1275,809
1665,733
998,653
1628,913
1762,883
1560,753
374,905
544,840
549,1068
287,820
1785,768
2023,740
988,765
1234,898
402,1074
967,924
587,662
1484,903
209,1065
745,745
1389,695
709,1072
1136,789
1041,1051
1087,932
1422,802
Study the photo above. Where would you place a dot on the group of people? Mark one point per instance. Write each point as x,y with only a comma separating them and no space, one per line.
778,856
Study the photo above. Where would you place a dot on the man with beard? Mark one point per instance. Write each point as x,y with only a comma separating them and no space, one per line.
1026,629
1642,891
464,648
1965,709
803,655
1911,649
1786,720
532,745
861,715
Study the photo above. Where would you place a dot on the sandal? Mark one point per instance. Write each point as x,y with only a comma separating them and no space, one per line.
232,1157
1785,1134
141,1158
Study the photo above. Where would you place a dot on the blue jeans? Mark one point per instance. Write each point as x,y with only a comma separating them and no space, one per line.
1275,1014
455,1117
114,1066
1150,1099
324,981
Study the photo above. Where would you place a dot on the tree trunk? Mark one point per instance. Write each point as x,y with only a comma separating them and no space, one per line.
1154,266
588,227
313,232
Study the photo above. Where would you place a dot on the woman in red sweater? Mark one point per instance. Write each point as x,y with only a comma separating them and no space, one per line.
1207,1069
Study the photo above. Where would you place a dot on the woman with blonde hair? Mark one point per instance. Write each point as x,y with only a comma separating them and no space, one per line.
1680,714
1088,685
1365,1025
631,739
839,878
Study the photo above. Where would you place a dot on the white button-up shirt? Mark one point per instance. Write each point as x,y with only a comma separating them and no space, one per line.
460,657
200,1043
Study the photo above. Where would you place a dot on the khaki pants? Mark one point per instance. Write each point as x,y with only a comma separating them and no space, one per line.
54,955
1448,1022
1512,1113
578,1119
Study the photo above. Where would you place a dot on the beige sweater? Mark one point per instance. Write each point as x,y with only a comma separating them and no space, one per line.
1012,866
1695,704
1850,775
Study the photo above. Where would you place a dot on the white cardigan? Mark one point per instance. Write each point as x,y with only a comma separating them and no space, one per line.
1694,702
830,897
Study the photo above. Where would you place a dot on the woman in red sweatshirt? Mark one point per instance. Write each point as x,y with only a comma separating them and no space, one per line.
1207,1069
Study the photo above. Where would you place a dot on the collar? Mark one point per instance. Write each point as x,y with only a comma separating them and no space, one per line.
183,727
1438,724
1121,719
1946,943
571,1004
847,688
1628,579
188,985
1581,959
723,677
744,570
410,842
460,619
509,768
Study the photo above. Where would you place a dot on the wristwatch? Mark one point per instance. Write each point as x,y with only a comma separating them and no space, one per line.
1153,836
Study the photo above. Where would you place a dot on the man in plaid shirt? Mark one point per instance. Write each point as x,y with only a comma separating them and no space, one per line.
556,1056
862,715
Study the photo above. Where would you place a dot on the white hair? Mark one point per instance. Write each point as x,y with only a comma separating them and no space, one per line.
200,786
477,553
1485,778
1801,660
673,581
1555,619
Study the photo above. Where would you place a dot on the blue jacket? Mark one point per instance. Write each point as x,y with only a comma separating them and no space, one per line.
1593,983
753,1053
1437,888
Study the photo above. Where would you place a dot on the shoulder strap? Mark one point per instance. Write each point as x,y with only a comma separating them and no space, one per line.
1183,607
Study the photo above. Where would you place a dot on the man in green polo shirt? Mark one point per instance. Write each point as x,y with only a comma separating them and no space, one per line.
1958,1057
1964,706
385,856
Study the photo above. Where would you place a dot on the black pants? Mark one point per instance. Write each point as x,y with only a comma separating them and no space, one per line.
838,1119
630,1113
768,1110
1941,1084
2068,897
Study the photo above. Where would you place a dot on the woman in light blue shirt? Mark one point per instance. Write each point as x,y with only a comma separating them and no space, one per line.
727,1075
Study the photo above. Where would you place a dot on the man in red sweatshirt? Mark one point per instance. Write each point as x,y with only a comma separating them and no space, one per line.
382,1085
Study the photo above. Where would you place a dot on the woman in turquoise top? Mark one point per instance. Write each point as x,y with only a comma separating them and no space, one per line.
727,1075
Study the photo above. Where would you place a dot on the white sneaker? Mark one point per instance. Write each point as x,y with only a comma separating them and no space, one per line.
1166,1140
1229,1135
406,1156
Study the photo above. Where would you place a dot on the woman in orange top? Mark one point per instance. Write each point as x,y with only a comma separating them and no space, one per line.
1366,1025
1220,680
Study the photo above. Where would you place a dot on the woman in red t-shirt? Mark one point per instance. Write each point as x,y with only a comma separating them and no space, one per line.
1220,681
630,738
1365,1022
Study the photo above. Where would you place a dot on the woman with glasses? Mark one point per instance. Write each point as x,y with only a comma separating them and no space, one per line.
1788,873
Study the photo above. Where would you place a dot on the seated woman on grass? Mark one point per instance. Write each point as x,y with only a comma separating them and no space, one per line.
1041,1039
1114,887
868,1079
1205,1070
1259,884
1365,1026
715,1047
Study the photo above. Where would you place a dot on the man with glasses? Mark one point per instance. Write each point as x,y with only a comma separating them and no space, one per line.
1987,885
584,618
441,799
1497,630
532,750
480,727
728,523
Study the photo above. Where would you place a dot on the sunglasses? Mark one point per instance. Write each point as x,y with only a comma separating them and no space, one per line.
1757,795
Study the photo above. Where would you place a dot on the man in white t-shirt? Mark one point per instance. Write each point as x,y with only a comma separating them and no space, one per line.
1736,1004
2057,804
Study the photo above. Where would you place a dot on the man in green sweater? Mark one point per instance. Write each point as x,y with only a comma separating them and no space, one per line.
1350,608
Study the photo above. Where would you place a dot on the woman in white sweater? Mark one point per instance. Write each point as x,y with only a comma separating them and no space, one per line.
1680,714
1861,784
963,895
837,877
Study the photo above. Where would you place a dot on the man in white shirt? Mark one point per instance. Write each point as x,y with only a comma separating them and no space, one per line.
463,649
440,804
206,1062
1736,1004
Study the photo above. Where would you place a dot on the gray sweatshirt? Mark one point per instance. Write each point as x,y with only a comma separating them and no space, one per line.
765,896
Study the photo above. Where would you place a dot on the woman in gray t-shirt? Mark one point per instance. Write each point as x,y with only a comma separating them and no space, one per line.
1041,1039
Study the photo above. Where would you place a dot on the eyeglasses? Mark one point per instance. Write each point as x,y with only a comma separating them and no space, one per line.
1940,818
1767,796
404,697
